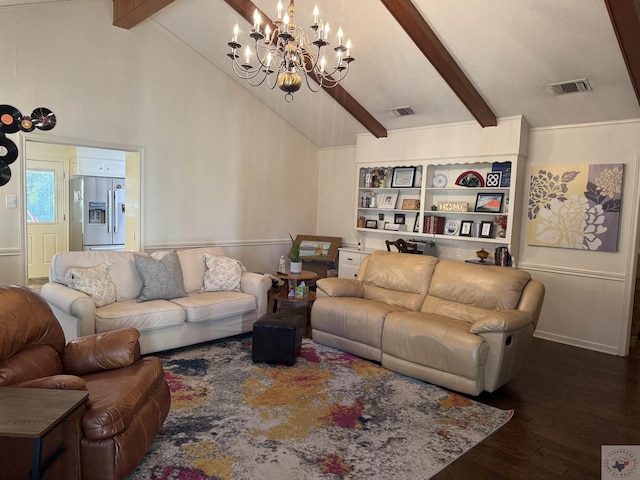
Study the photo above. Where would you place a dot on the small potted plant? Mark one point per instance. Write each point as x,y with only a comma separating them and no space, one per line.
295,265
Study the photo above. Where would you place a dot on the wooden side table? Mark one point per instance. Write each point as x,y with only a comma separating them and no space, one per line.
34,413
281,296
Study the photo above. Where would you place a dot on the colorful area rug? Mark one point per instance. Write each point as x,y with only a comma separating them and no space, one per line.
330,416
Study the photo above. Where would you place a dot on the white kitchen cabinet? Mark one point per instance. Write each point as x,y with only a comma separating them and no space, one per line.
99,167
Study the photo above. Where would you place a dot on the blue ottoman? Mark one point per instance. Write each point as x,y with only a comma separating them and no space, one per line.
277,338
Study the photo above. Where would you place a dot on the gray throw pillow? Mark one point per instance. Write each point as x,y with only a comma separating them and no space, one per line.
161,279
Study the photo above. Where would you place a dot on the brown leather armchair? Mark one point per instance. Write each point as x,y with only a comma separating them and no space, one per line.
128,400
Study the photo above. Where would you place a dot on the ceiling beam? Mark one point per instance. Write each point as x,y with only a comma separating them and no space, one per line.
430,45
128,13
245,9
625,17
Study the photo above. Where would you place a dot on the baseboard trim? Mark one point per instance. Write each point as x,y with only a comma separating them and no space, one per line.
575,342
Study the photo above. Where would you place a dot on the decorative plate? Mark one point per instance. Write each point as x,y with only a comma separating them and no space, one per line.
470,179
43,118
439,180
451,227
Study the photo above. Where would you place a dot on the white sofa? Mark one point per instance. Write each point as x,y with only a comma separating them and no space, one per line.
163,324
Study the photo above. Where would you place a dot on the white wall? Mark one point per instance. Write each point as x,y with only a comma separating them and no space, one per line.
218,166
336,194
589,294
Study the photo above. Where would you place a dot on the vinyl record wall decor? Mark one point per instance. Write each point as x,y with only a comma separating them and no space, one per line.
12,121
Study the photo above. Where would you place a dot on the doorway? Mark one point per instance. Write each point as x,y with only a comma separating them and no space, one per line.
51,162
47,225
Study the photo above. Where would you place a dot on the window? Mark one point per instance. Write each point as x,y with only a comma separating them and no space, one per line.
41,196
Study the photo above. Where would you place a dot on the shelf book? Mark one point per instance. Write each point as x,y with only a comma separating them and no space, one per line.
433,224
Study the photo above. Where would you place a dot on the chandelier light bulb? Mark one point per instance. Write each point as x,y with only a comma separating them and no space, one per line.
247,55
340,34
256,20
279,7
236,30
316,14
326,30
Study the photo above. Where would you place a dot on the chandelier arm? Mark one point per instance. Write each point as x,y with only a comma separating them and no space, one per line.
314,77
245,74
242,73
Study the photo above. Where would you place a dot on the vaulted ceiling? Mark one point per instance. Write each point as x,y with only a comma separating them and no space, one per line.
450,61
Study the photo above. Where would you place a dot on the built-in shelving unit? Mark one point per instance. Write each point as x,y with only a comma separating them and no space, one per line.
471,195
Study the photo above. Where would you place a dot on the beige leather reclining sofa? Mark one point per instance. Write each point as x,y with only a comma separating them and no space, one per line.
462,326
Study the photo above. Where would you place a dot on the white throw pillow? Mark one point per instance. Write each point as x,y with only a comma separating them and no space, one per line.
223,273
94,281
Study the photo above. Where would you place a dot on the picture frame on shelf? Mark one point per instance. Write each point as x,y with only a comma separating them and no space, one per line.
403,177
371,224
505,170
388,200
399,218
451,227
466,227
486,229
317,247
492,180
489,202
410,204
416,223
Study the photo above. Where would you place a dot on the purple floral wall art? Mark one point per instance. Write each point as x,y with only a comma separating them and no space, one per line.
575,206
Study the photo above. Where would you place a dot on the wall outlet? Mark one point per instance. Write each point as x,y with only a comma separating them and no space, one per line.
458,252
11,201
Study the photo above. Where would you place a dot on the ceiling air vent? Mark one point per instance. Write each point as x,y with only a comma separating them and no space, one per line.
572,86
402,111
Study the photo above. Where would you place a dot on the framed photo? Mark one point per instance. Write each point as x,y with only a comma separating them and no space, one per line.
388,200
451,227
466,226
403,177
410,204
371,224
493,180
416,223
485,229
399,218
313,247
489,202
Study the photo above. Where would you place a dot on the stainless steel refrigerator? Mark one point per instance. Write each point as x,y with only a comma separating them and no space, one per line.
97,213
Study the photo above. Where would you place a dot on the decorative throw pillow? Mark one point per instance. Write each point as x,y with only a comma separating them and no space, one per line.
222,274
161,279
94,281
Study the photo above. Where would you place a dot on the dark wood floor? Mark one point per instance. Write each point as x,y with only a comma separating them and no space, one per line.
568,402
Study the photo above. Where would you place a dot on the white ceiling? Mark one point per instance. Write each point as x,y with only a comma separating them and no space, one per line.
509,49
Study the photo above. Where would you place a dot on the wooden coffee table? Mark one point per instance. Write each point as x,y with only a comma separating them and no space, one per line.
33,413
281,296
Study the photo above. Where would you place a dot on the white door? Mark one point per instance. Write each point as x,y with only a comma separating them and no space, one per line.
46,214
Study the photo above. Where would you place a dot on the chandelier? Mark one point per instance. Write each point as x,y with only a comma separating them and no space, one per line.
283,52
